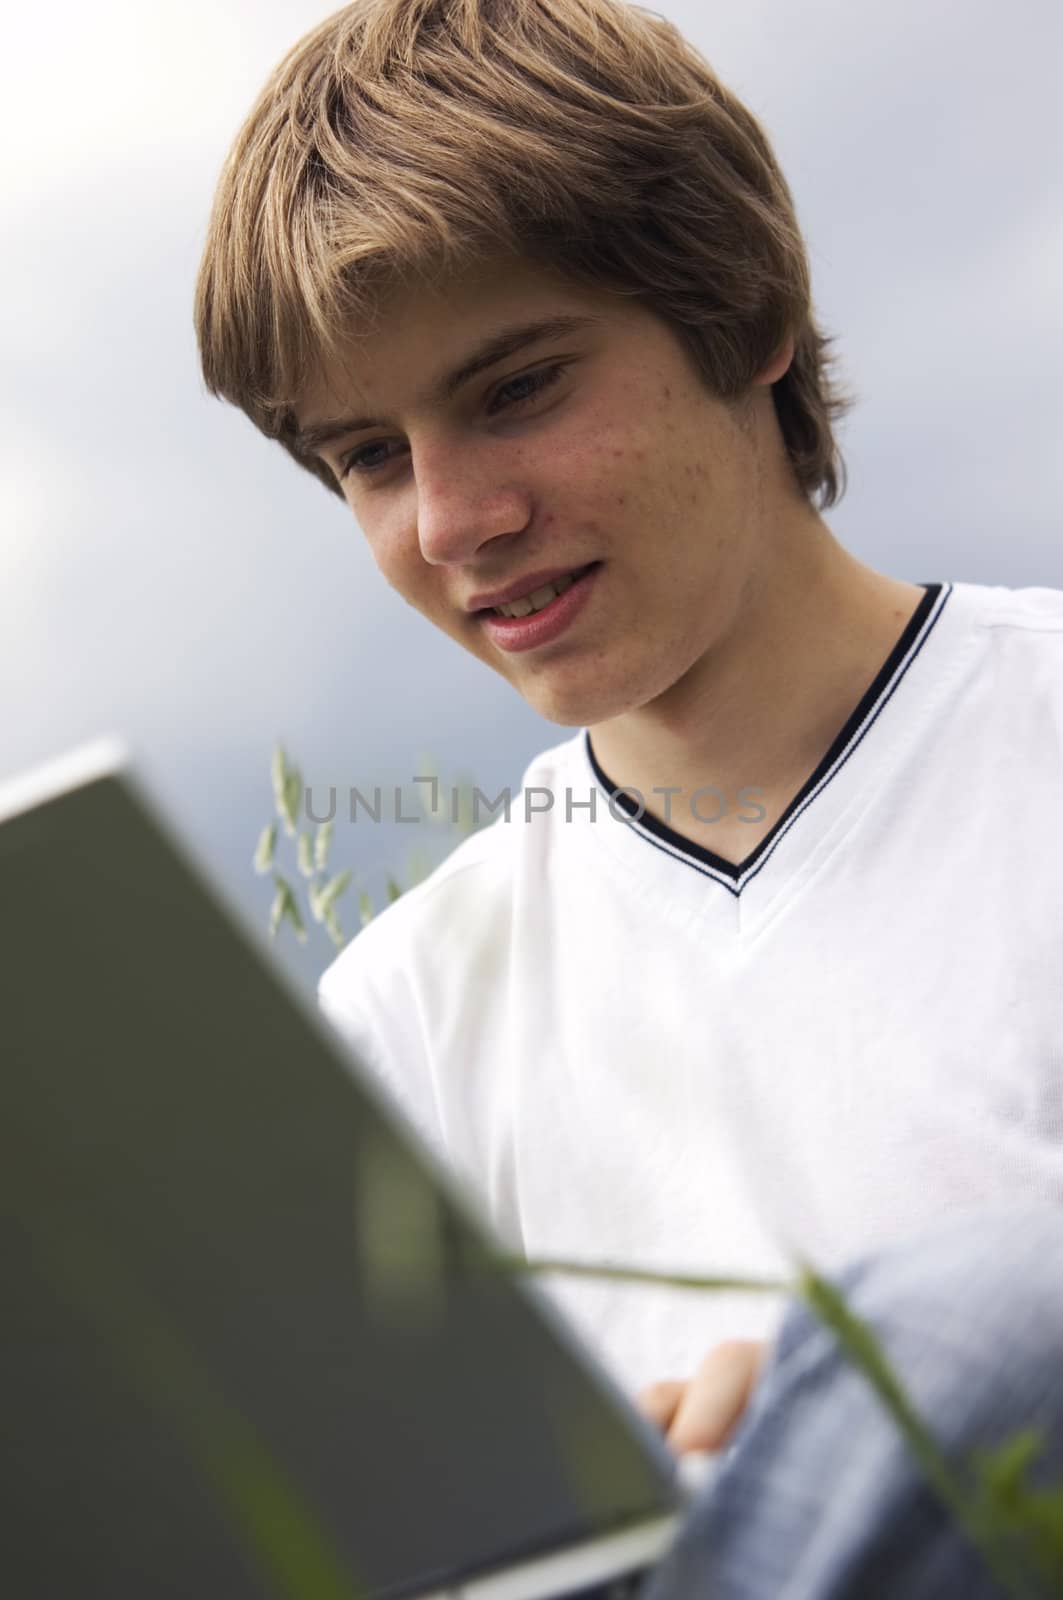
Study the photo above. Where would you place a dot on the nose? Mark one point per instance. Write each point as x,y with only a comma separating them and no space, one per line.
462,508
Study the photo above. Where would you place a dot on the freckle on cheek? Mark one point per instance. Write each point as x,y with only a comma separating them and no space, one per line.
621,499
617,454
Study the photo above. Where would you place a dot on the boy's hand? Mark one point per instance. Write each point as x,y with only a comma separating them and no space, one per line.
702,1413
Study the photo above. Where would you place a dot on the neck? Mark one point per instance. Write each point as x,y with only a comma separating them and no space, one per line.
801,646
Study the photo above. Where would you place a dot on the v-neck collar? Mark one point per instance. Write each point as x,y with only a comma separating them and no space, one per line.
815,792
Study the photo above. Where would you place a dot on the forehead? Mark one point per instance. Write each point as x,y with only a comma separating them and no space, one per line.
419,335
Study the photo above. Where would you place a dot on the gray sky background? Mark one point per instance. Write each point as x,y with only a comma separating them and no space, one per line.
169,575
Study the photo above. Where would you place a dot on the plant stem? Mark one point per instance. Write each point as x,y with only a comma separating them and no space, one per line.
863,1349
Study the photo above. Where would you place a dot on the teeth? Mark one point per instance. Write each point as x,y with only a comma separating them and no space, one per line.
536,600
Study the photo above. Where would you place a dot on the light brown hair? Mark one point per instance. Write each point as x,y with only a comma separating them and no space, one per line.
404,140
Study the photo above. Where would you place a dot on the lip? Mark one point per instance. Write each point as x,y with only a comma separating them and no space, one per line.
541,627
521,587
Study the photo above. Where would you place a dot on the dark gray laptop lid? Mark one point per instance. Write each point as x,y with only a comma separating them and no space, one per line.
250,1344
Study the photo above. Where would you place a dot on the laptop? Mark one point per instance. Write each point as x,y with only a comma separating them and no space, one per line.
255,1341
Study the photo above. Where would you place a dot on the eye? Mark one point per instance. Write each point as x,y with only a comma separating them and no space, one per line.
540,380
534,382
356,461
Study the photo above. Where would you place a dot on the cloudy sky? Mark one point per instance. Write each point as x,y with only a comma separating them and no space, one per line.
170,576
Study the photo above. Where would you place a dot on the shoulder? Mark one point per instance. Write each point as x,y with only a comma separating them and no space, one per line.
1013,682
1022,631
453,928
1033,610
1016,636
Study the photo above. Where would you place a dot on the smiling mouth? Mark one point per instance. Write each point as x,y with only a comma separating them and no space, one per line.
537,599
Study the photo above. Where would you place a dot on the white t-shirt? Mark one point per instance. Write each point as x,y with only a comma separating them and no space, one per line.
635,1053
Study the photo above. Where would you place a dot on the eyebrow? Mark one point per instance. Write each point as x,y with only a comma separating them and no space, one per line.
495,347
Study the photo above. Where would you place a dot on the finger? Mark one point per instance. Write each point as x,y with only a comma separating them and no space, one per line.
716,1397
659,1402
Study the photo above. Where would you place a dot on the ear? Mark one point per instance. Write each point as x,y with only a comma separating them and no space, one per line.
779,363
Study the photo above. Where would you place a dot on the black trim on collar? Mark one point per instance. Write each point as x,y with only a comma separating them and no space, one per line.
676,844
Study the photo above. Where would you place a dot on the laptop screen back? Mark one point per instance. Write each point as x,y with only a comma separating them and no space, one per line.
250,1344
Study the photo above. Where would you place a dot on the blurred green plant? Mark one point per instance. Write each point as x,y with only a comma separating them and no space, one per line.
1016,1526
312,846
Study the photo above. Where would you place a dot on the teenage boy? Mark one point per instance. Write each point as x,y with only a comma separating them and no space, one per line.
767,955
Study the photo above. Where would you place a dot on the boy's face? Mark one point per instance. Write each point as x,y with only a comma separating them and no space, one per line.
623,461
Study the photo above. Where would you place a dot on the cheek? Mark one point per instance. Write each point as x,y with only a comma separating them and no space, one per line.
645,488
395,553
422,586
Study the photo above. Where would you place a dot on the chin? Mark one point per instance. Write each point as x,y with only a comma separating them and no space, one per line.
565,714
575,710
